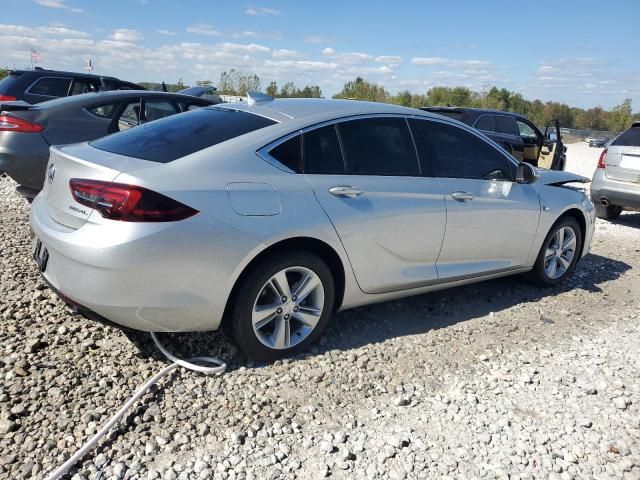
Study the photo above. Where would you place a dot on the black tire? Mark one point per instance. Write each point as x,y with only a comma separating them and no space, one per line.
538,274
610,212
240,324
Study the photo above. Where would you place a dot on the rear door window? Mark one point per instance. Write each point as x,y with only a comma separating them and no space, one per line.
505,125
630,138
322,154
485,122
104,111
130,116
177,136
51,87
81,85
378,146
155,109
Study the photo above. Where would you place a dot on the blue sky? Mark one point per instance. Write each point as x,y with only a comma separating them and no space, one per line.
583,53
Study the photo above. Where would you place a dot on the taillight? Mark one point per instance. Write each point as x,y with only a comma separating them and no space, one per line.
7,98
128,203
603,158
14,124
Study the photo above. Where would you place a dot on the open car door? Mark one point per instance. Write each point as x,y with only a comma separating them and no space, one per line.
552,153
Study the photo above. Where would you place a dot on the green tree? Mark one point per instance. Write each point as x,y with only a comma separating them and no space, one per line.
272,89
235,82
620,116
3,73
359,89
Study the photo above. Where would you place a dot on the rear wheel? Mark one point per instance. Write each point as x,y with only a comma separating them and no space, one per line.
559,253
282,306
610,212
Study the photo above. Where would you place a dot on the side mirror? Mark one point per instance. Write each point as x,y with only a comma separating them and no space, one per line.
552,137
526,173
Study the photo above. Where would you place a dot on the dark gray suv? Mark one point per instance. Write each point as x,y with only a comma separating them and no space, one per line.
39,85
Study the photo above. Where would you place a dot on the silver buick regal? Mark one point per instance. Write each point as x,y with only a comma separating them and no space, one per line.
267,216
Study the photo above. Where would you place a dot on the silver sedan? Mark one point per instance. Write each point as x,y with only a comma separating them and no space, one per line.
265,217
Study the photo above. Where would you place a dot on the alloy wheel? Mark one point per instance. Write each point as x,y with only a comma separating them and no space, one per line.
288,308
560,252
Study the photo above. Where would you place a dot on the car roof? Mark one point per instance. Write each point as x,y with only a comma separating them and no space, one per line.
469,110
111,95
45,73
283,109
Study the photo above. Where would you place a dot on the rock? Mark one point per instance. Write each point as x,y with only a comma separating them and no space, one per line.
7,426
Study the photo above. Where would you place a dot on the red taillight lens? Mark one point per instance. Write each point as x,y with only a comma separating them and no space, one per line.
7,98
14,124
128,203
602,162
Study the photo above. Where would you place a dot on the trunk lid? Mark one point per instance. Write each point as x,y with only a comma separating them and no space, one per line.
80,161
623,164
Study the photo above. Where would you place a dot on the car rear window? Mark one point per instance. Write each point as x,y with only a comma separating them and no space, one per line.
7,82
177,136
630,138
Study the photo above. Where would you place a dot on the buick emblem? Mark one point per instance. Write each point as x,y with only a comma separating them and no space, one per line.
51,172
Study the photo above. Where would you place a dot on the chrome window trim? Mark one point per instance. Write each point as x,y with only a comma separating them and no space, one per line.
28,90
263,152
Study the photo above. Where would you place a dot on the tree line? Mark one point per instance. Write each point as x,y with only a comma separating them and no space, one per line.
618,118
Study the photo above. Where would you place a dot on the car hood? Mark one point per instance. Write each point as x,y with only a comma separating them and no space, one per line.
559,177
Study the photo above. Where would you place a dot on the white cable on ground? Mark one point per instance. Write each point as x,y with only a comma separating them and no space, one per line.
219,367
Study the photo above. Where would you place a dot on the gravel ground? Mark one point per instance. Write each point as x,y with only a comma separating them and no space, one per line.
495,380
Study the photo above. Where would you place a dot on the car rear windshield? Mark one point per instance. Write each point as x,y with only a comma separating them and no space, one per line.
630,138
177,136
7,82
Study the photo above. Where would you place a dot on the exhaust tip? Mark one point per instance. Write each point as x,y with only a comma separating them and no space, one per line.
604,201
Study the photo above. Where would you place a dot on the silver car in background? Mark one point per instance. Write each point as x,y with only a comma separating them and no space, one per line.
616,181
265,217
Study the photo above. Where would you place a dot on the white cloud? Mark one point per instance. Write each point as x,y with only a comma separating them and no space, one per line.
203,29
391,59
346,58
261,11
284,53
126,35
58,4
166,32
449,62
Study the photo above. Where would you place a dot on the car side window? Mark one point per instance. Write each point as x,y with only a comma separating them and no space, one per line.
83,86
506,125
378,146
485,122
104,111
422,136
461,154
322,154
51,87
525,130
155,109
130,117
288,153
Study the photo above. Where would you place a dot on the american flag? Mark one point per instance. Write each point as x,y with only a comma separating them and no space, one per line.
35,56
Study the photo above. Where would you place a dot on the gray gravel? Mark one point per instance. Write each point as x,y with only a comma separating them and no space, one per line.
495,380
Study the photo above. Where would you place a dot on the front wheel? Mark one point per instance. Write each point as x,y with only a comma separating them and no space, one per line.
559,253
282,306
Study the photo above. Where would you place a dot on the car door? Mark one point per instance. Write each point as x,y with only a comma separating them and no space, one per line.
366,175
127,116
491,220
532,140
552,148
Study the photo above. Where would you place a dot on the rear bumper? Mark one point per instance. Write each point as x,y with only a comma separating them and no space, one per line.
623,194
163,277
24,157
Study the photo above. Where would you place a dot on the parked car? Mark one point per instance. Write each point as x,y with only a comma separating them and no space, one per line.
266,216
599,142
27,131
39,85
515,133
616,182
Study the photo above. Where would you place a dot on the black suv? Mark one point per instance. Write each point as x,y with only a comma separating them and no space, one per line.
39,85
515,133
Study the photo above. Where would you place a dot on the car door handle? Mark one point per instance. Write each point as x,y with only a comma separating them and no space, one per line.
342,191
463,196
